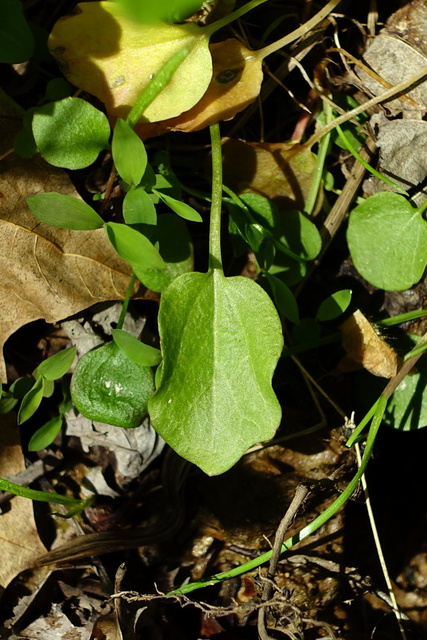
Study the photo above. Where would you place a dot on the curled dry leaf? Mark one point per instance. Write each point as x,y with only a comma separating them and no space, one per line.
235,84
114,58
366,348
273,170
47,272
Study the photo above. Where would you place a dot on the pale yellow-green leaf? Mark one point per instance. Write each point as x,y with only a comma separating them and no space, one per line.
103,52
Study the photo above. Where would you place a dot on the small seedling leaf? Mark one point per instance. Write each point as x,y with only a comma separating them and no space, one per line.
135,350
181,208
109,387
138,208
387,239
176,249
48,387
129,154
44,436
284,298
221,340
56,366
334,305
16,39
31,401
65,212
135,248
70,133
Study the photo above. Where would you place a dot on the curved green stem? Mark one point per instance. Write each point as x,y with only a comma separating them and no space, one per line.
309,529
44,496
126,301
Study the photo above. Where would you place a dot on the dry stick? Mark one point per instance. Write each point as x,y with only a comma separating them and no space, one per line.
299,497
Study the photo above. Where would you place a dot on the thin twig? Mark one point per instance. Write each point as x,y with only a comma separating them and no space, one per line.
299,497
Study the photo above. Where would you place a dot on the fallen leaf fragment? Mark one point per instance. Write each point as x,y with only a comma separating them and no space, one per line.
48,273
19,540
365,347
271,169
114,58
235,84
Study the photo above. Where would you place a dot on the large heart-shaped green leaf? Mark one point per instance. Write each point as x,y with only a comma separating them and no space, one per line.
221,339
387,239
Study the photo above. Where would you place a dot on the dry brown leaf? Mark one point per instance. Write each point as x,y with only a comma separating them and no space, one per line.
366,348
274,170
20,542
48,273
235,84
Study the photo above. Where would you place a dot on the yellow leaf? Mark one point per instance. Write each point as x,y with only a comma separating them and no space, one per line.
236,82
105,53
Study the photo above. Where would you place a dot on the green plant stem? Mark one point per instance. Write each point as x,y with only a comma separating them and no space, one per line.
156,85
306,531
126,301
365,164
41,496
215,258
320,164
403,317
226,20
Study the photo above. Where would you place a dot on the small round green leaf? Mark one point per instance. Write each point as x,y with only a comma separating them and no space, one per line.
44,436
109,387
66,212
138,208
135,350
129,154
70,133
16,39
387,239
56,366
181,208
334,305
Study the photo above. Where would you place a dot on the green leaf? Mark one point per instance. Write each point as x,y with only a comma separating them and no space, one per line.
334,305
31,401
135,350
176,249
181,208
134,248
70,133
66,212
56,366
407,408
7,403
16,39
129,154
138,208
284,298
164,11
387,239
44,436
221,339
109,387
48,387
20,387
